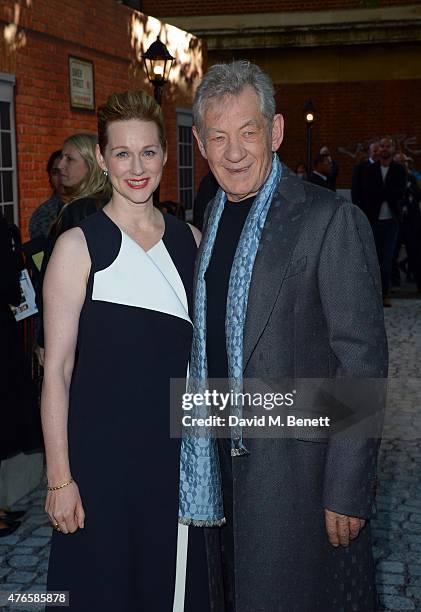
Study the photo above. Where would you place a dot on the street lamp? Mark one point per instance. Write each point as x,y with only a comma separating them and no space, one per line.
309,115
158,61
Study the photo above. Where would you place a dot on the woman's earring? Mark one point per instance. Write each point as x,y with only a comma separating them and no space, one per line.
105,172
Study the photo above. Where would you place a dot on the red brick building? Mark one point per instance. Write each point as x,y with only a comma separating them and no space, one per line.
37,39
359,61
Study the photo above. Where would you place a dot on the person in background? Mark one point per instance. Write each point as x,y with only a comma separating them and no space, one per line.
207,190
321,170
85,185
410,229
334,168
383,188
413,171
301,170
19,413
86,188
357,174
170,207
44,216
9,294
42,220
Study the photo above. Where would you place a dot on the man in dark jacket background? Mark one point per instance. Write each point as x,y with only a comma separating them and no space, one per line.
321,171
383,188
359,169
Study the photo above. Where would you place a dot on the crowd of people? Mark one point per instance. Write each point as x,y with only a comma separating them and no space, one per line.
385,187
386,190
283,283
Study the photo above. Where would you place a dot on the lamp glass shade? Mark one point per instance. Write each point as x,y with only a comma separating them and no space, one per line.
158,70
158,61
309,111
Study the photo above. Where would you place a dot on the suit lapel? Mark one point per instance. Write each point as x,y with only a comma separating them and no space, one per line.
380,181
280,234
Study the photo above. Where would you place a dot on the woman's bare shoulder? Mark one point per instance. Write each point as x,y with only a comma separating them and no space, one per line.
71,240
197,234
71,250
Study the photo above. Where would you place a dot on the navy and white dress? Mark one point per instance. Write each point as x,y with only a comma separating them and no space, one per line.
134,336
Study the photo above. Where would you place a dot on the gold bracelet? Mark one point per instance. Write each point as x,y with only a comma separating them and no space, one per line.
60,486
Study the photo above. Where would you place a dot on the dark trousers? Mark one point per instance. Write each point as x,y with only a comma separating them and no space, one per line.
226,533
385,236
396,273
411,236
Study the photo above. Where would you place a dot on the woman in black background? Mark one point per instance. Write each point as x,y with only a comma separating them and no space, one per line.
19,417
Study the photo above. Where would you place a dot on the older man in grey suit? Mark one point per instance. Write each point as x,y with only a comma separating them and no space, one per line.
287,285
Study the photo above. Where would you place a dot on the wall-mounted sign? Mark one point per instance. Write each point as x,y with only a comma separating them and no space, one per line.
82,84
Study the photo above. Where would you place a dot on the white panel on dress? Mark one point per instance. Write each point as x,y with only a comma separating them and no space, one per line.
135,278
162,259
181,568
148,279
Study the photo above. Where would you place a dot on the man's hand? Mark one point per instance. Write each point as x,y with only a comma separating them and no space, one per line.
341,528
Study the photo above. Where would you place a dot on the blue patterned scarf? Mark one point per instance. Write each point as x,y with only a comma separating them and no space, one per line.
200,483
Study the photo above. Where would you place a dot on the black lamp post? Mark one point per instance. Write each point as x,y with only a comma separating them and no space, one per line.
158,61
309,115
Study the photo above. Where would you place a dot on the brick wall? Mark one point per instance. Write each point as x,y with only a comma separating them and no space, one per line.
165,8
37,40
349,114
37,54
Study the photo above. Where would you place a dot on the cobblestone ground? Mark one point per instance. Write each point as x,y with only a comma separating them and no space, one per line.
24,554
396,527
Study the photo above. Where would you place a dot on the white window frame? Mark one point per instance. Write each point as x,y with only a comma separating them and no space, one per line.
185,119
7,94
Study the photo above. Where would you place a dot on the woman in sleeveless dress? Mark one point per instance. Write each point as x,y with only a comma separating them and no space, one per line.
117,308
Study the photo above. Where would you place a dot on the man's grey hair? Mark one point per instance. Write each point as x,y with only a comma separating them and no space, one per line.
230,79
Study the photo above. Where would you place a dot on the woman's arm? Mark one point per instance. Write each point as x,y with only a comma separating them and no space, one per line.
64,292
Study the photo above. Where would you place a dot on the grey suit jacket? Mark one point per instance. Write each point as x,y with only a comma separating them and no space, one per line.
315,311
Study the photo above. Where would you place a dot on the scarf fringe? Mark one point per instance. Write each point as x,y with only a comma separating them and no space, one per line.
196,523
239,452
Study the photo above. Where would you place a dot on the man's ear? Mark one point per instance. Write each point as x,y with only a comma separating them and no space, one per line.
277,132
99,158
199,142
